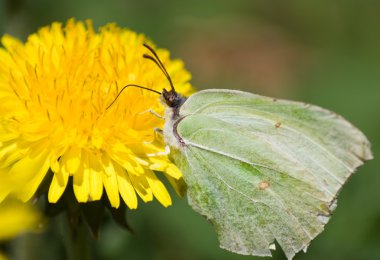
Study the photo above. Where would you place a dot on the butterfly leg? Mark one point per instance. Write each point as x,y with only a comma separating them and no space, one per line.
159,131
153,113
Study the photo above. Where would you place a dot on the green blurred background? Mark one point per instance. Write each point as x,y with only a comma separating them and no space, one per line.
322,52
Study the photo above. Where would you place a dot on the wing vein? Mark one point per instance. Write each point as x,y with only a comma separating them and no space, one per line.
341,182
294,130
243,195
281,203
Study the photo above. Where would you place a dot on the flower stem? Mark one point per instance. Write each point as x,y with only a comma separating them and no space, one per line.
75,239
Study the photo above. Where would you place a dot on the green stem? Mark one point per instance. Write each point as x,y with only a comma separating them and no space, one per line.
75,240
23,247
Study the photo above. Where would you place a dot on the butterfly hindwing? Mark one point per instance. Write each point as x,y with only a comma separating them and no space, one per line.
262,170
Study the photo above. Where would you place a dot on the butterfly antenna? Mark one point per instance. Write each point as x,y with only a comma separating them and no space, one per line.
159,63
131,85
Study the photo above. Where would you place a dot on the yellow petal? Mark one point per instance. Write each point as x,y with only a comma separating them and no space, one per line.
95,175
10,42
10,147
126,188
178,185
71,159
173,171
128,164
142,187
81,181
31,172
54,164
110,182
5,58
158,189
9,154
5,184
58,185
54,157
126,158
164,165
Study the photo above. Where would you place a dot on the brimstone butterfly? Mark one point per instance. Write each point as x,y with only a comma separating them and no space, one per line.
259,169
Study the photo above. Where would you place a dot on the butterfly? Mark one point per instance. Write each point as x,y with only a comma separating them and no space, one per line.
259,169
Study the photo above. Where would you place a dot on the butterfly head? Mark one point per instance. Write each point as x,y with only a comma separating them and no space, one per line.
172,98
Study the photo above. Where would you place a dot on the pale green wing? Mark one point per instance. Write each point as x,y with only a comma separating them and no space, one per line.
262,169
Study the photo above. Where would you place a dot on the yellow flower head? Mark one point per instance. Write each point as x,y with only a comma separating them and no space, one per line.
54,91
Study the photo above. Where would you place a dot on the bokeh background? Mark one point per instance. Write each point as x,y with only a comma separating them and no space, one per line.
322,52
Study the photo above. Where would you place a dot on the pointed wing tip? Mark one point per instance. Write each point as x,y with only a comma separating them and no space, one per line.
365,156
367,152
368,155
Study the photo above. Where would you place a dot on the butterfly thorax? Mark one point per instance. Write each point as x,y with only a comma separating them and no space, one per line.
173,101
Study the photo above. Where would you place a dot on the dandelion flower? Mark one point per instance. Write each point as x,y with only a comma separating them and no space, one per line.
54,91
